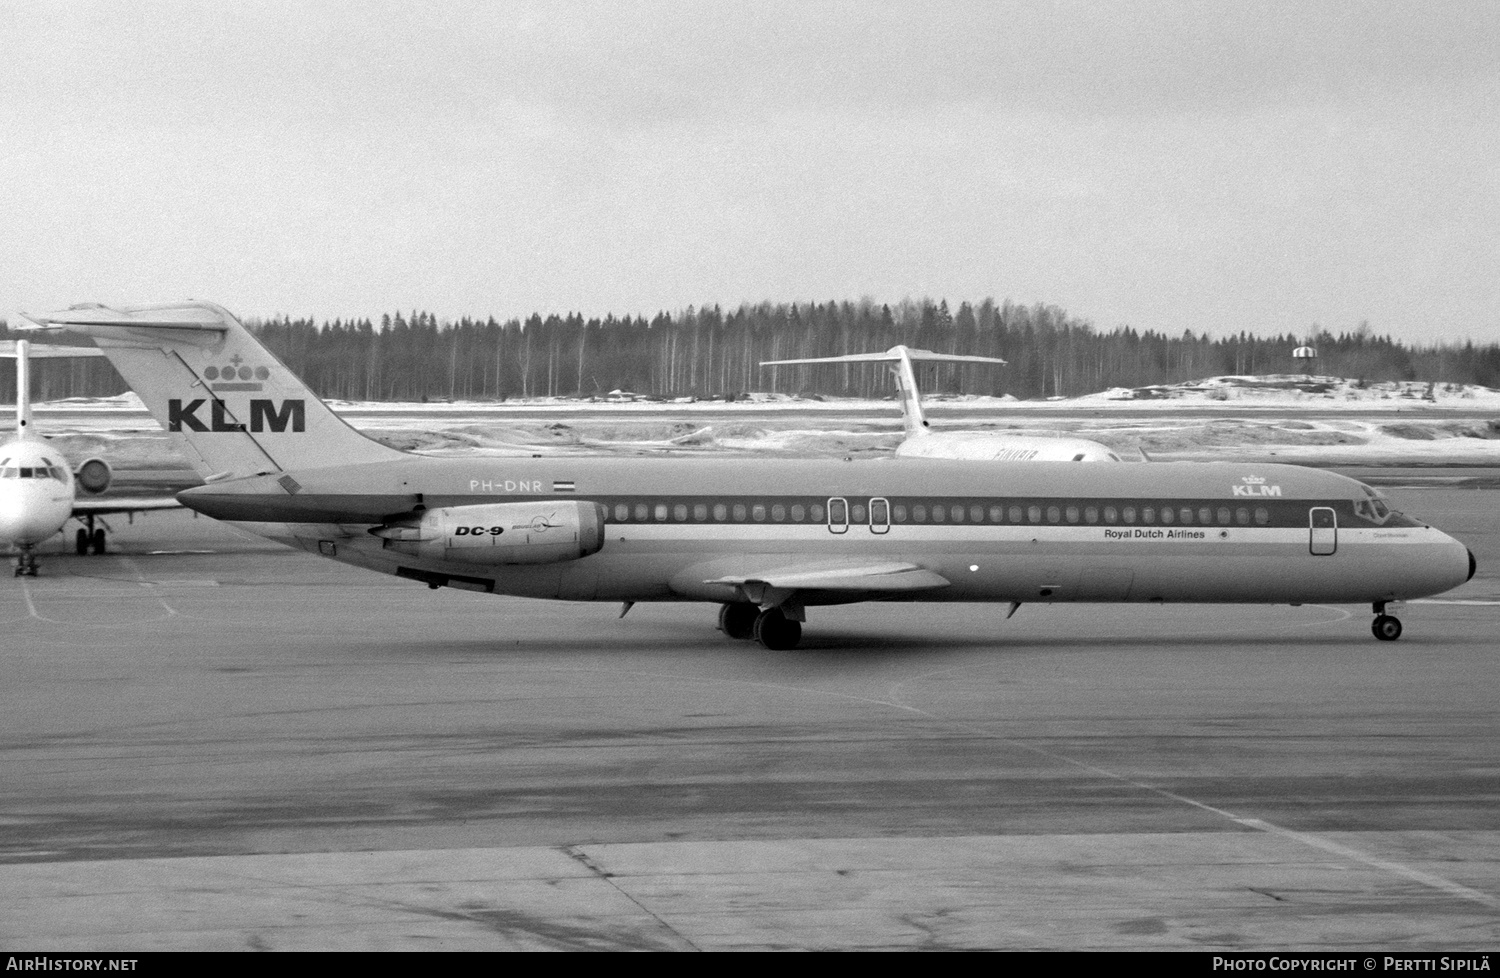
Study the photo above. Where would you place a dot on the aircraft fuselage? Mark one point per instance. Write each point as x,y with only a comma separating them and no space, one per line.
1027,532
36,492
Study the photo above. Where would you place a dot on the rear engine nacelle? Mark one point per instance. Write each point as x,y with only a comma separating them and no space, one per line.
503,533
94,476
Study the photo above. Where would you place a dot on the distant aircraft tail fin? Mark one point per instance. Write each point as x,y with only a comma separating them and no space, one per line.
23,352
23,389
912,416
232,407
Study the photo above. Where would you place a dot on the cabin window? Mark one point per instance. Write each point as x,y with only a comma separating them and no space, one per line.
721,512
661,512
622,512
919,514
799,512
1033,514
1168,516
758,512
1111,515
899,512
679,512
956,514
778,513
1091,514
700,512
1242,516
1148,514
641,512
1262,515
1205,515
939,514
1054,514
1072,514
857,513
997,514
1015,514
739,512
880,516
1223,515
815,512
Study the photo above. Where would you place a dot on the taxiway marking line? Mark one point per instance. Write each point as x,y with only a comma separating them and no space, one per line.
1431,880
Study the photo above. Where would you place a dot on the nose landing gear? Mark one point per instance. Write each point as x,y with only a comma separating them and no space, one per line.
26,563
1385,627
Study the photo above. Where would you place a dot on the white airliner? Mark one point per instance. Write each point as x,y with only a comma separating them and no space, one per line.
922,442
766,540
38,490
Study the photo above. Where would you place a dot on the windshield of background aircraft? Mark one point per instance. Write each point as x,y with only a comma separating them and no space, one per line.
33,472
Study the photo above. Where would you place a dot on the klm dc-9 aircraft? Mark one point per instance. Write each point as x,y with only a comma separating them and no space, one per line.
765,541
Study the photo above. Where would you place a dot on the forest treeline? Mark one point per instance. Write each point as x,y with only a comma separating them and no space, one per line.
708,352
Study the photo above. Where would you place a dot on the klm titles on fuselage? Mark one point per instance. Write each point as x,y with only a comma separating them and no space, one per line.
1151,534
1254,485
265,415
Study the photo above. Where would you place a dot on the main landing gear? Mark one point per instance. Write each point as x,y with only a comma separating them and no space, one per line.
1385,627
88,538
771,628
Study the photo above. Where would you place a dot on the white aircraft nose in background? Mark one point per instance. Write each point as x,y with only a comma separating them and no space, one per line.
38,489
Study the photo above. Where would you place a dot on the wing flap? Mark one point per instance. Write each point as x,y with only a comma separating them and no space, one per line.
883,577
105,505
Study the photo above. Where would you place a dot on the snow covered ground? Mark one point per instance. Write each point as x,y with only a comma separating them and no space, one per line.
1292,418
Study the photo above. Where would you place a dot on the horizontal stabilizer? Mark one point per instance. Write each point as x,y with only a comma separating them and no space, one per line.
894,355
47,351
91,320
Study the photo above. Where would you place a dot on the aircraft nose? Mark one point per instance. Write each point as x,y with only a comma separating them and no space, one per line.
1473,565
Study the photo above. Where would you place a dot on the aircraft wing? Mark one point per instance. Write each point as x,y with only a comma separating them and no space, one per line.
105,505
874,578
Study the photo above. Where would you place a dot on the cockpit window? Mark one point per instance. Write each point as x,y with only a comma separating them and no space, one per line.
34,472
1374,507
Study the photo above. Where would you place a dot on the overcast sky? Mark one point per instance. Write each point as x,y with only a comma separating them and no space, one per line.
1212,166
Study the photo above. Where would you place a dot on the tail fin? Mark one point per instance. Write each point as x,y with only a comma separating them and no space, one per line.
232,407
23,353
23,388
912,417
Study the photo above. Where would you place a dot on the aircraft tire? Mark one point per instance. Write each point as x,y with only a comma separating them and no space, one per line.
98,542
1387,628
81,542
737,620
775,631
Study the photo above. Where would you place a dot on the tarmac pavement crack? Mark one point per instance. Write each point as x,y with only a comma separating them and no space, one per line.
577,854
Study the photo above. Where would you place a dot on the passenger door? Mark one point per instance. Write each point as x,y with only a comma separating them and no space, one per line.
1323,527
838,515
